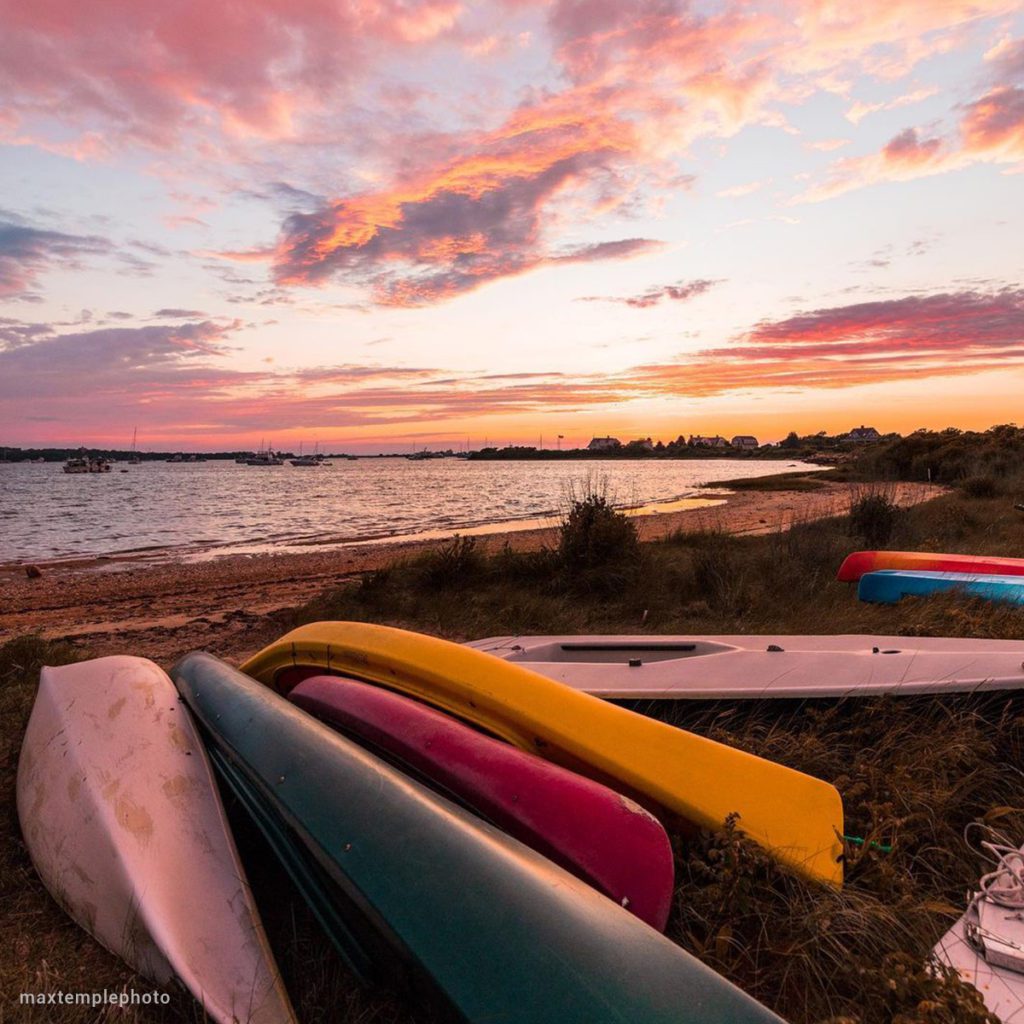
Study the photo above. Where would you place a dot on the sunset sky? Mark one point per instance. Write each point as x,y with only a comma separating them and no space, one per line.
382,224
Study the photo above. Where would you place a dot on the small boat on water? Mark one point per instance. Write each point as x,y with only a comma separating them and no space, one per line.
134,459
799,819
756,667
314,461
408,885
83,463
124,823
267,457
586,828
889,586
856,565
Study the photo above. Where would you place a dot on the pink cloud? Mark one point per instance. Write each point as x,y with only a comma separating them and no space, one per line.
906,149
468,220
153,70
945,334
990,130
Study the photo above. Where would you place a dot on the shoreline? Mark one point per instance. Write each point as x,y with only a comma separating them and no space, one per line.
163,610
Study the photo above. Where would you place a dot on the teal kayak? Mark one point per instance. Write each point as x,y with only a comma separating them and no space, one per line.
409,885
888,586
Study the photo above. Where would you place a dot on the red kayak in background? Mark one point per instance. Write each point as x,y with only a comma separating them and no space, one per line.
856,565
590,830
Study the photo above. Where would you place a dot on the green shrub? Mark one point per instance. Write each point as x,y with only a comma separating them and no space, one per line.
873,517
598,546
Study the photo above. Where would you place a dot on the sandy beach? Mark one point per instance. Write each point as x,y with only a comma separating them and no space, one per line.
228,604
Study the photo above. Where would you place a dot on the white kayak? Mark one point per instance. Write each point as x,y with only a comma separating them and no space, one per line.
124,824
984,963
732,667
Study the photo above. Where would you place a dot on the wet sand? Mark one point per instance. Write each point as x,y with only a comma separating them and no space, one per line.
228,604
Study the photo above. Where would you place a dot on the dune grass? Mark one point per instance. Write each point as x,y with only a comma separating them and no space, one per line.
913,771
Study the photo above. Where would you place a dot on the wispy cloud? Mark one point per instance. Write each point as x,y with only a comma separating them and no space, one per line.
27,252
652,297
859,110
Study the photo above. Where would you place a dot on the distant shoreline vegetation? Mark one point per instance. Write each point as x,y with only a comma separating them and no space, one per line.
942,456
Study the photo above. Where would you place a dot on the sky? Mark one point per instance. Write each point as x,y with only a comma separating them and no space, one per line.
385,224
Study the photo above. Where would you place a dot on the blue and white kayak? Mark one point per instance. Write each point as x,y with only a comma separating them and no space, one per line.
888,586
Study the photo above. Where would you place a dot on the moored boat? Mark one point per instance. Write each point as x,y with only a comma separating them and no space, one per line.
123,822
764,666
857,564
591,831
84,463
408,884
796,817
265,458
889,586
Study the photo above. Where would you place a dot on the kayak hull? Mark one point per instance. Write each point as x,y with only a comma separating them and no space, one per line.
501,932
857,564
797,817
607,840
124,824
890,586
733,667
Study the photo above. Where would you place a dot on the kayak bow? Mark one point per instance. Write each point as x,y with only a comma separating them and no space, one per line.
124,823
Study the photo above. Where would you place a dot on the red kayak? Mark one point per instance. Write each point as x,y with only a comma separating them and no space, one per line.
602,837
854,566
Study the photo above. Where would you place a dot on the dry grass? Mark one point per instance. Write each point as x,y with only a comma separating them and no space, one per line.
913,771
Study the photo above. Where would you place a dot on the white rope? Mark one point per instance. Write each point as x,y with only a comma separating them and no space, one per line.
1003,886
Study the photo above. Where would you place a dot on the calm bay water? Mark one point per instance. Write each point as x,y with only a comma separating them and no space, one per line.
191,510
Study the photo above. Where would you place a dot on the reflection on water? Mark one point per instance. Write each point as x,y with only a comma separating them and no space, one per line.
205,508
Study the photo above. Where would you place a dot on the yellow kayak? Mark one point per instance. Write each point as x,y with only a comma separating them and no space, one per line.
797,817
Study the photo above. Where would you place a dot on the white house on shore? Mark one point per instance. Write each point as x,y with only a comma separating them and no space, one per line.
604,444
699,441
863,435
747,441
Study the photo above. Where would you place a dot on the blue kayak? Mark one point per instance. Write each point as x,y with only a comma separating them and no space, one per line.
890,585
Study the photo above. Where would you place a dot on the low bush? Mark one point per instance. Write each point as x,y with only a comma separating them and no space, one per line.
981,487
873,518
598,546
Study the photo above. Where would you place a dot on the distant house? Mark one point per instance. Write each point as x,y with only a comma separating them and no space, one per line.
699,441
744,441
604,444
643,444
863,435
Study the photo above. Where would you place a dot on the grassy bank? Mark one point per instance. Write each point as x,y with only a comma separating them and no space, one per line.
912,771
